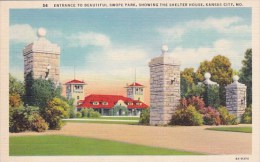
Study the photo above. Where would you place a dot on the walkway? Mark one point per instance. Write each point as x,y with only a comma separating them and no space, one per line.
188,138
105,120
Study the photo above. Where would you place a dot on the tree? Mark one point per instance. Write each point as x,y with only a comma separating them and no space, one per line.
15,100
54,112
187,81
15,86
203,68
70,102
189,75
221,72
16,92
246,75
39,91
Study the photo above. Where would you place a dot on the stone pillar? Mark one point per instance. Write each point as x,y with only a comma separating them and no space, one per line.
164,87
236,98
42,58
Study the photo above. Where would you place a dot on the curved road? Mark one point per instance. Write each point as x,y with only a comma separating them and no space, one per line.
188,138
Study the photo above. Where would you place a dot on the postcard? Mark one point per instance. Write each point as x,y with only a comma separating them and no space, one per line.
129,81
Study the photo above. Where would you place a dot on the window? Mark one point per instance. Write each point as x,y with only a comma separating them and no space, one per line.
78,97
104,103
130,103
138,103
95,103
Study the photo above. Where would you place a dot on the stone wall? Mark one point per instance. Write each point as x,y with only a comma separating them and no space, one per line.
164,89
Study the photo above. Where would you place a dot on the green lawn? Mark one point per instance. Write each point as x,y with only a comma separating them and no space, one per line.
232,129
103,122
69,145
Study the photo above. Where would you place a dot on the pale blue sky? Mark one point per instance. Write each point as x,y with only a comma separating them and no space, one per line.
112,42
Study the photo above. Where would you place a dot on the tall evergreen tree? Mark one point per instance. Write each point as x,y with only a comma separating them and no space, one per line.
246,74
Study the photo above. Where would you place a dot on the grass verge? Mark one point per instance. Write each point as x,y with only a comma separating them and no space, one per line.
54,145
232,129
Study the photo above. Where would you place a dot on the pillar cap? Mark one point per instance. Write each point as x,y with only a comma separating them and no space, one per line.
41,32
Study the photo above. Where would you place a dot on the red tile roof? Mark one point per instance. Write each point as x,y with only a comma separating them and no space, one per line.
111,102
75,82
135,84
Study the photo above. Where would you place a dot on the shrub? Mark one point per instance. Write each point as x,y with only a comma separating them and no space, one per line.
195,101
26,118
187,116
93,114
15,100
115,111
56,110
78,114
145,117
38,124
226,117
211,116
90,113
247,116
17,120
84,112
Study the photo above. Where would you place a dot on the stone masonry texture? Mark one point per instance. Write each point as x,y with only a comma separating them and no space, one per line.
164,89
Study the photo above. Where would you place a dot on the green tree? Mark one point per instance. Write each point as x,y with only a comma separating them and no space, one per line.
187,81
70,102
189,75
246,75
16,92
15,86
54,112
39,91
203,68
221,72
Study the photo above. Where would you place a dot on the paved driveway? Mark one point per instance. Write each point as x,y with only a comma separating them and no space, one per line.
188,138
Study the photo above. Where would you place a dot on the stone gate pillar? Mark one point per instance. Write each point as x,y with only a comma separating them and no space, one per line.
236,98
164,87
42,58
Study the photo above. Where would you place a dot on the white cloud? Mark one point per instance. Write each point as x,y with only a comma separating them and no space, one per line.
226,25
233,49
90,38
22,33
117,61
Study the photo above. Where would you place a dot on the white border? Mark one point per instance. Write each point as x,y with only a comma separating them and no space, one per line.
4,70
